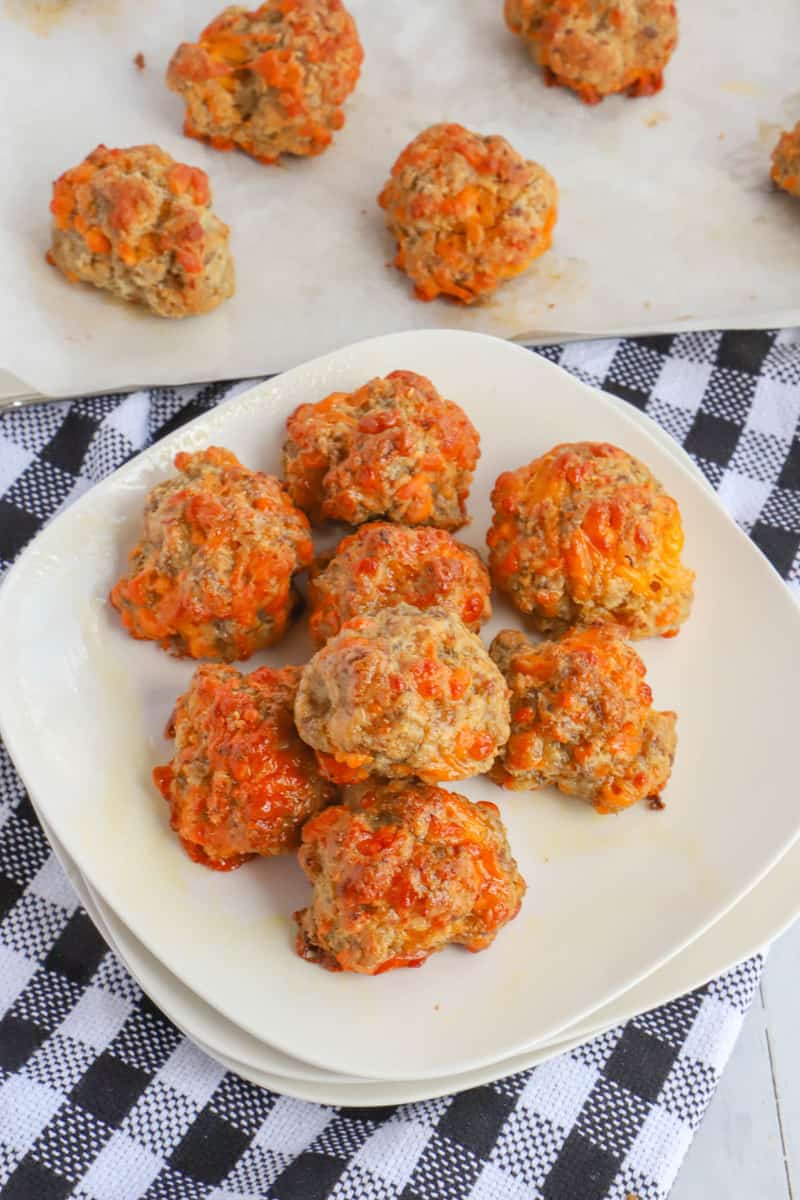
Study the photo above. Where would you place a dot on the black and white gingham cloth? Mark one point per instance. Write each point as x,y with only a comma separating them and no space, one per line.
101,1098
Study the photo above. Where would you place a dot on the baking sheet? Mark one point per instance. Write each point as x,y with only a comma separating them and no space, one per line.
668,220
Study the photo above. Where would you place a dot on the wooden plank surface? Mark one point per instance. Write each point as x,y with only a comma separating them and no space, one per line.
748,1146
781,993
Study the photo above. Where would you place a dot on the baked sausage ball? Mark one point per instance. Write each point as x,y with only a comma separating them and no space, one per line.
467,212
271,81
383,564
587,534
138,224
394,448
786,161
242,782
597,47
400,870
403,693
211,575
582,718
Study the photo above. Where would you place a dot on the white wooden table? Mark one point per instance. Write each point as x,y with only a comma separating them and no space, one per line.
748,1146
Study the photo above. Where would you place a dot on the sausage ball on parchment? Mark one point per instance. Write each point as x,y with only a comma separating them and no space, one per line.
271,81
394,448
582,719
383,564
786,161
586,534
138,224
400,870
403,693
597,47
211,575
467,212
241,782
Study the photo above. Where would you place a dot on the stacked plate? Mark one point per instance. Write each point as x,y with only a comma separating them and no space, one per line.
622,913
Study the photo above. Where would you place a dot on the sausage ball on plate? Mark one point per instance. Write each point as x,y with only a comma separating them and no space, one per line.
394,448
597,47
403,693
586,534
383,564
271,81
582,718
211,575
241,782
786,161
138,224
400,870
467,212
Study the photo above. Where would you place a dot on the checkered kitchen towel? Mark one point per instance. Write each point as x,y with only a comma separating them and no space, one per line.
102,1098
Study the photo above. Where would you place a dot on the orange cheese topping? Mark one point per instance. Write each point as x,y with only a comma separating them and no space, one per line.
242,781
342,451
382,564
436,682
581,718
109,200
594,48
276,44
587,519
227,544
390,855
453,229
400,693
786,161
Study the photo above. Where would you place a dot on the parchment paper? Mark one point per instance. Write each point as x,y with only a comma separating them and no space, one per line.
668,220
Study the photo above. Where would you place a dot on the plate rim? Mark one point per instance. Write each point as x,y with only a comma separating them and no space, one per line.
314,1091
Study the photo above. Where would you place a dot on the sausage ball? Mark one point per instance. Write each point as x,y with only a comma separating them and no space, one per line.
138,224
394,448
211,575
582,719
597,47
241,782
383,564
271,81
786,161
400,870
467,212
403,693
586,534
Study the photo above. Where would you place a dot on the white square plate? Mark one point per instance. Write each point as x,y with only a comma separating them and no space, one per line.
82,708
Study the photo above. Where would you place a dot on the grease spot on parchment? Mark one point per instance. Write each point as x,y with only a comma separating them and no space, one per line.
749,165
655,118
791,108
42,16
550,282
768,133
740,87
